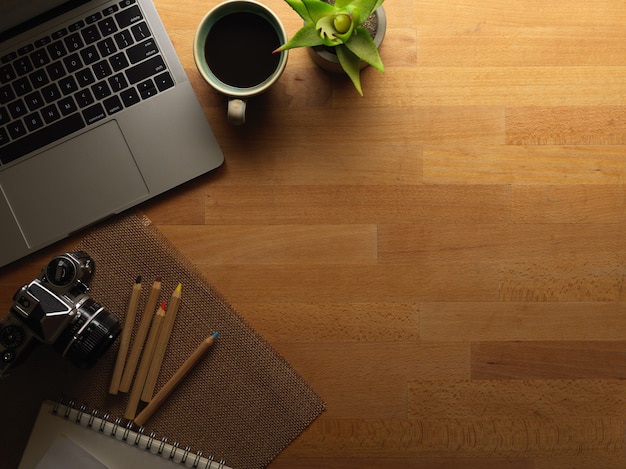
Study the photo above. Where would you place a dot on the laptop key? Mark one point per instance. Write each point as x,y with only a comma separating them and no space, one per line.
90,55
34,101
94,113
40,58
50,113
118,82
57,50
102,70
130,96
7,73
113,105
110,10
59,33
16,130
140,31
142,51
42,137
128,16
119,61
43,41
51,93
10,57
107,47
73,42
68,85
84,98
85,77
56,70
17,109
145,69
124,39
22,86
164,81
91,34
39,78
91,19
147,89
4,137
6,94
107,26
4,116
23,65
72,63
67,106
76,26
101,90
25,49
33,121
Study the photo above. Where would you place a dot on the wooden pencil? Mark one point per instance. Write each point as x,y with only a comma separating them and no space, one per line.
144,366
142,332
164,338
174,381
129,322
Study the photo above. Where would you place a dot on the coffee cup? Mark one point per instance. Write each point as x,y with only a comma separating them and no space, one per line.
234,52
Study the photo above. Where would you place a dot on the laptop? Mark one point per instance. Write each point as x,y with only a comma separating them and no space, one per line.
96,116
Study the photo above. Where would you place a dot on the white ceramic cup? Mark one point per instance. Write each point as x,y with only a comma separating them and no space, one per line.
231,51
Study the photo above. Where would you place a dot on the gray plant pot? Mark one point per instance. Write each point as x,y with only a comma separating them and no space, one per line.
326,58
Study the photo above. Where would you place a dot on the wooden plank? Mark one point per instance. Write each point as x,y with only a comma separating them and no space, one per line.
276,244
521,321
567,125
500,438
447,281
600,361
518,399
332,204
330,323
520,165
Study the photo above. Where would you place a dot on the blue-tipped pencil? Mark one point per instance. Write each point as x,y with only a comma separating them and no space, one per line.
175,380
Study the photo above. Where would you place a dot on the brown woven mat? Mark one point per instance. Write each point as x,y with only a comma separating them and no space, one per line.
243,402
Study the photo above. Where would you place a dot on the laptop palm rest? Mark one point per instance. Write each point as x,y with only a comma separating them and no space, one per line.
40,194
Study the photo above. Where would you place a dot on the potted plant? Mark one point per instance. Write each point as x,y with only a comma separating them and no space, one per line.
339,27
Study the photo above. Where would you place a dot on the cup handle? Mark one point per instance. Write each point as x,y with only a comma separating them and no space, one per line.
236,111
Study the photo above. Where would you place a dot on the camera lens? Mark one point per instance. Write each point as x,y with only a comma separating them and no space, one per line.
89,336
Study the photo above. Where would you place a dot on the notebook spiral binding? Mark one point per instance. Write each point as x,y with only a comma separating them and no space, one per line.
115,428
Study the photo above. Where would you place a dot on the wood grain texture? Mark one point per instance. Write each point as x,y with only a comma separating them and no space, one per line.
443,258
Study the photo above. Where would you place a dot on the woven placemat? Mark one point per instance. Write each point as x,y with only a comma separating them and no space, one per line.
243,403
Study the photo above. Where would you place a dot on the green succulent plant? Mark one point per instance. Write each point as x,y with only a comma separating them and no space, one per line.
339,26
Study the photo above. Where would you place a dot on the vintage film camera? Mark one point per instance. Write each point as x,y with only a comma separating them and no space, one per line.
55,309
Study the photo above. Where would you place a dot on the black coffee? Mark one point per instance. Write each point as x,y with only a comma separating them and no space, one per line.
239,49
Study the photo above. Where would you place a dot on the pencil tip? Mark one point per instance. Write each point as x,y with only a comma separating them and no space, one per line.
164,305
158,279
138,279
179,287
215,334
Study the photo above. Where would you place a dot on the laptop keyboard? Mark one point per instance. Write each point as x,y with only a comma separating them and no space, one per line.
77,76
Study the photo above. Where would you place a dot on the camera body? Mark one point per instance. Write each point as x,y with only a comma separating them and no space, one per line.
55,309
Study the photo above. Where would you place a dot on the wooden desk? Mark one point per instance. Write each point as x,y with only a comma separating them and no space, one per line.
443,259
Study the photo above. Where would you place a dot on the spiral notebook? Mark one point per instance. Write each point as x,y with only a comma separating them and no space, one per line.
243,403
67,436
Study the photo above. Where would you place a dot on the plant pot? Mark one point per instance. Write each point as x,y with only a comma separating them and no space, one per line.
326,58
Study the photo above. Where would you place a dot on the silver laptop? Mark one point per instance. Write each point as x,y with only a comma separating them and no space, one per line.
96,116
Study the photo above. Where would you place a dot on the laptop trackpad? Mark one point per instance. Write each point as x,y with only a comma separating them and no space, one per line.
74,184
